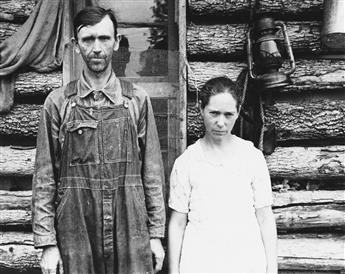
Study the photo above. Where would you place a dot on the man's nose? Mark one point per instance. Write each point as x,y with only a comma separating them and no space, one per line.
96,46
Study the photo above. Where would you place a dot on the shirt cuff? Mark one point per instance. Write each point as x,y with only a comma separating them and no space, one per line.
157,232
43,241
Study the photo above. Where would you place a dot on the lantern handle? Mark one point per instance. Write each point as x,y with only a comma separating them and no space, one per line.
288,47
249,55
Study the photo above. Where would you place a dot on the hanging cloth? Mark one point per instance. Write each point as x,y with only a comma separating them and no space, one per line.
39,44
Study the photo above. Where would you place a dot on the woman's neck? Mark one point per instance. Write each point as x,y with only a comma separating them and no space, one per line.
217,150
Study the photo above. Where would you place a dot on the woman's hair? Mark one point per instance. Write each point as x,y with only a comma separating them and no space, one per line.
219,85
91,16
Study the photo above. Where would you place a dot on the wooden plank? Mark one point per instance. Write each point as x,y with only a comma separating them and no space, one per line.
18,9
294,252
227,8
330,216
310,75
289,198
293,121
313,163
221,41
318,252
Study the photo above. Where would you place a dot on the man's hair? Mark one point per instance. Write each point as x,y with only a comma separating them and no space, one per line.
91,16
218,85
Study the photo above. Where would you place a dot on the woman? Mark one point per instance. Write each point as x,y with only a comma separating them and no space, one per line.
220,196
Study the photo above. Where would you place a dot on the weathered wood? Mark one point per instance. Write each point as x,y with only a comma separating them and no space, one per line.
314,163
294,252
296,163
314,252
302,209
17,251
306,217
15,200
227,8
18,9
15,162
293,121
22,120
289,198
315,74
306,121
227,40
37,84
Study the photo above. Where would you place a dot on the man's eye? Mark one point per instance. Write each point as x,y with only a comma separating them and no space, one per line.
88,39
229,115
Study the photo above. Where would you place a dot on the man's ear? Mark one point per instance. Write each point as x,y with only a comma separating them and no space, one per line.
117,42
75,44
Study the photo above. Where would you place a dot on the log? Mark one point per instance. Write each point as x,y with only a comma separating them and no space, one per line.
22,120
18,9
289,198
15,162
226,40
37,84
17,251
292,121
225,8
298,210
7,29
307,121
307,163
297,252
310,75
217,41
330,216
295,163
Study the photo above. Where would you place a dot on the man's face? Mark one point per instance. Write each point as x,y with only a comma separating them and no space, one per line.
96,45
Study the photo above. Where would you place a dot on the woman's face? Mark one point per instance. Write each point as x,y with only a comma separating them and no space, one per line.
220,115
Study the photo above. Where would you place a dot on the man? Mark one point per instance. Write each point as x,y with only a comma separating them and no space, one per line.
97,188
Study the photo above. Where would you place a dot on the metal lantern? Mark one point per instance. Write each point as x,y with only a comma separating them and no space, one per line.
264,58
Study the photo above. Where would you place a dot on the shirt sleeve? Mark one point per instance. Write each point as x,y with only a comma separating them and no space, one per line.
45,177
180,188
152,168
261,182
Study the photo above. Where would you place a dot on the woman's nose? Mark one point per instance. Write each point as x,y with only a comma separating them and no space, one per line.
220,121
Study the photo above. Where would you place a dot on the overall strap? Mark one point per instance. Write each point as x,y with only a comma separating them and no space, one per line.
127,88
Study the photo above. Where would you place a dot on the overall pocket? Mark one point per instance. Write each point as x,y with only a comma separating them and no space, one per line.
83,143
117,142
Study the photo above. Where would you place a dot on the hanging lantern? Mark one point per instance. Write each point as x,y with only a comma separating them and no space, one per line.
264,58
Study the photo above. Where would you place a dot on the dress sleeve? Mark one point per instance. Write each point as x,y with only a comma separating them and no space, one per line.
180,188
261,182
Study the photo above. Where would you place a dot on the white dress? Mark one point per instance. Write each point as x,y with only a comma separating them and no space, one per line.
222,234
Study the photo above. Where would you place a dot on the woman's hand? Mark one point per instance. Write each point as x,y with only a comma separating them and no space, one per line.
51,260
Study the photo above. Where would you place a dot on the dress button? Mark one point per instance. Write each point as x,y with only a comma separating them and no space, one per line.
80,131
73,104
125,104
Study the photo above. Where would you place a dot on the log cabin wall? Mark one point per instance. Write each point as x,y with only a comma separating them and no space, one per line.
307,167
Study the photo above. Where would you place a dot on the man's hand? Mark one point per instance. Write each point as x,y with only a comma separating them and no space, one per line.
158,254
51,260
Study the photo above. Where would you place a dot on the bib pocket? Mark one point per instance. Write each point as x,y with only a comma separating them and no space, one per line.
115,137
83,144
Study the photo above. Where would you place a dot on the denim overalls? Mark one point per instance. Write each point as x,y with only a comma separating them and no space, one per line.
101,217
